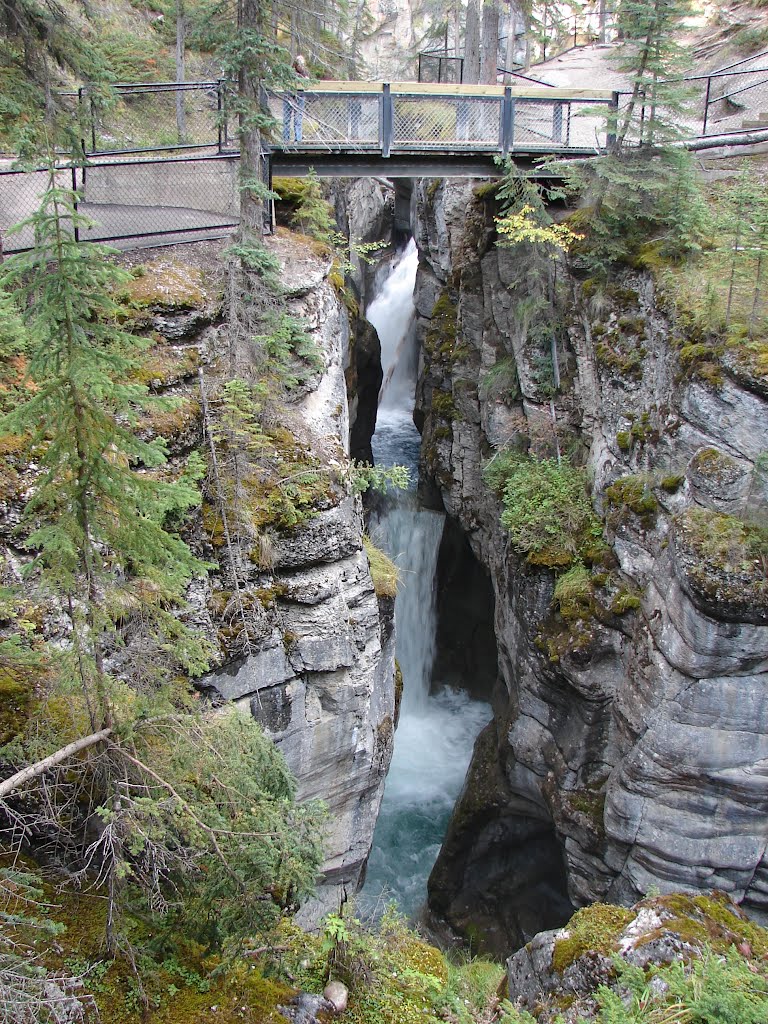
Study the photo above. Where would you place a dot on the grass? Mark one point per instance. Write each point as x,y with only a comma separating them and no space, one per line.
384,573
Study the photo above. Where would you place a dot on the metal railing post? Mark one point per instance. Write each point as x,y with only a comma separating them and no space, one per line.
219,107
613,121
74,204
387,119
706,106
507,121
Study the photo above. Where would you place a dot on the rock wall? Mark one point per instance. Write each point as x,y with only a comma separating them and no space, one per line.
629,748
320,673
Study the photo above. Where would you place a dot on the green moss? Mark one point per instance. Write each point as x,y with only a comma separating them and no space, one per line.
443,405
632,494
384,573
624,440
724,557
16,693
163,366
713,464
163,285
589,802
625,601
573,592
709,921
595,928
487,190
670,484
440,338
432,188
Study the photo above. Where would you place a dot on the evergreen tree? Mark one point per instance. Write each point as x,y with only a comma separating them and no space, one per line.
191,806
654,60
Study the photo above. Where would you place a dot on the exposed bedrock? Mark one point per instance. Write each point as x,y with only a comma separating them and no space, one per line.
319,675
629,748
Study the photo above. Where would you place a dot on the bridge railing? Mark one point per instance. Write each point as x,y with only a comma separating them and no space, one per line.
407,117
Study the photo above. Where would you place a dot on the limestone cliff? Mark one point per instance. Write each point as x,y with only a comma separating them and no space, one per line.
300,636
630,741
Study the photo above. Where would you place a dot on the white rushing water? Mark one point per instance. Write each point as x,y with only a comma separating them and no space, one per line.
436,731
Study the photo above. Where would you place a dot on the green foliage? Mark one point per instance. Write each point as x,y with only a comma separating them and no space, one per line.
232,784
524,217
654,60
395,976
314,214
547,508
632,199
710,990
292,354
384,573
379,478
99,505
256,257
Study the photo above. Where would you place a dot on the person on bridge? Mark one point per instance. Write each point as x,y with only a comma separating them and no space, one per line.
293,105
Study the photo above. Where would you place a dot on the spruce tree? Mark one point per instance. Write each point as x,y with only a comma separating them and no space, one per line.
185,805
654,60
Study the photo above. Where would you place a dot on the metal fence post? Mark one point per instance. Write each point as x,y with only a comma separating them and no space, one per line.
387,119
507,121
74,189
613,121
219,108
706,107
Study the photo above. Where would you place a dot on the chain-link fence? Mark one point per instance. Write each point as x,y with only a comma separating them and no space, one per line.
737,100
425,119
440,122
151,117
175,199
436,67
326,120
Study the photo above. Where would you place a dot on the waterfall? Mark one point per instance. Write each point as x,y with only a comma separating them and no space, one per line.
437,727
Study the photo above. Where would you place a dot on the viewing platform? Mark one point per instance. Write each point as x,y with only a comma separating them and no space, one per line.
409,129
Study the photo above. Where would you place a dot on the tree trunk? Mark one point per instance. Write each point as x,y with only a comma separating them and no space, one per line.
250,18
456,19
181,32
603,21
490,44
33,770
472,43
509,49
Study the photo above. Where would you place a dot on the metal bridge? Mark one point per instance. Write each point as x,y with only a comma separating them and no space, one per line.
409,129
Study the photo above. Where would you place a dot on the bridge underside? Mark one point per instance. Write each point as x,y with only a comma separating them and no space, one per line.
401,165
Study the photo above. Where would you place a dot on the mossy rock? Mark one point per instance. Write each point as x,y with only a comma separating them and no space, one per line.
722,559
593,929
631,494
707,920
440,337
163,366
165,286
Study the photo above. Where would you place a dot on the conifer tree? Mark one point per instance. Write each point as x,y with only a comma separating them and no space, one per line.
191,806
654,60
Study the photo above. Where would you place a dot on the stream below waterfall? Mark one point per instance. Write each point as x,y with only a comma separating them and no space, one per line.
438,725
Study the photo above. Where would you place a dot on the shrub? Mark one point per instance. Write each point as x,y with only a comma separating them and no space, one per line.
547,509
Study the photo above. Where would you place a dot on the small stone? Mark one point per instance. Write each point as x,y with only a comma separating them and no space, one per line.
337,995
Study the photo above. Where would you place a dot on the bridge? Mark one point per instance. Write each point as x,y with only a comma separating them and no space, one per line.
409,129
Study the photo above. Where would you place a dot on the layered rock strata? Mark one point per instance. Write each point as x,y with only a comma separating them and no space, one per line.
629,745
318,672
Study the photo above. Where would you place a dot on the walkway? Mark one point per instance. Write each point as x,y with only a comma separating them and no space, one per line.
406,128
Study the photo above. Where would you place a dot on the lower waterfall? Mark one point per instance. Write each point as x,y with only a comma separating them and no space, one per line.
438,724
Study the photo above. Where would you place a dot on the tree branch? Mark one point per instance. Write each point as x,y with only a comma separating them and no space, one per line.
33,770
